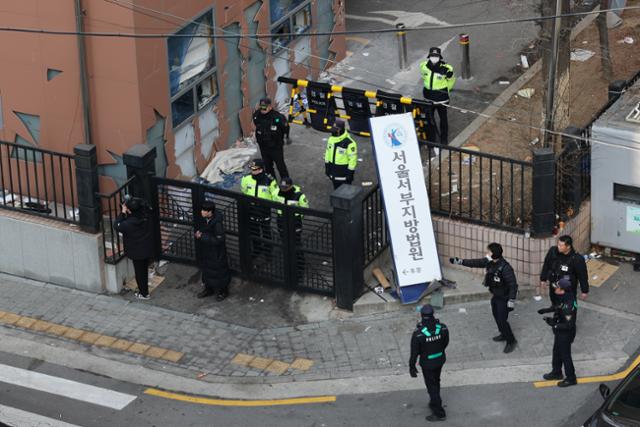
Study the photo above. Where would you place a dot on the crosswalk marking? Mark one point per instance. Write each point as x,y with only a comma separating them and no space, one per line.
66,388
16,417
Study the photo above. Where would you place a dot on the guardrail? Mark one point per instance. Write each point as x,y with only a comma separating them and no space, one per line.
38,182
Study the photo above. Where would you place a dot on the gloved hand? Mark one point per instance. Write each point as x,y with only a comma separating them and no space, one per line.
350,174
511,304
449,74
549,320
413,371
456,261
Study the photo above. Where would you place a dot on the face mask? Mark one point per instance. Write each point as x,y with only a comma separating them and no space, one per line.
434,59
488,257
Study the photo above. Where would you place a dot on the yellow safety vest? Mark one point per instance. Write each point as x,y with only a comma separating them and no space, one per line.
437,81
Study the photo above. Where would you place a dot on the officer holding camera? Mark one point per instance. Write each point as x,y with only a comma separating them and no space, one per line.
501,281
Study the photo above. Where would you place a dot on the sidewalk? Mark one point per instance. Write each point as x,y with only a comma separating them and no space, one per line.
366,346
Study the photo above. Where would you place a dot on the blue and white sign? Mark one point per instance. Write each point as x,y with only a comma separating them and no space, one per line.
406,201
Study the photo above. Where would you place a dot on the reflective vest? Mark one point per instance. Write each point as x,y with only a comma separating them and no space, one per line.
428,334
298,199
436,81
262,188
341,155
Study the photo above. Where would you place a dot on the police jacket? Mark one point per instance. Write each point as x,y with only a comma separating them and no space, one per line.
137,234
270,129
293,197
556,264
213,252
499,276
261,186
429,341
564,316
341,156
438,80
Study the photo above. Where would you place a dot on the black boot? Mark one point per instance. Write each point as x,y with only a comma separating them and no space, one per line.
567,382
205,293
499,338
510,346
552,376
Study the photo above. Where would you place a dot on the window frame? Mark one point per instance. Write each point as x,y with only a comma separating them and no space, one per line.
626,189
288,17
193,86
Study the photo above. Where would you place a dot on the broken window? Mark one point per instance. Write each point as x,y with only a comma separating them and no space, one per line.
289,16
192,73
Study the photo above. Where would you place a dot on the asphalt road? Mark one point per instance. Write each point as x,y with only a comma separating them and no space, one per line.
496,405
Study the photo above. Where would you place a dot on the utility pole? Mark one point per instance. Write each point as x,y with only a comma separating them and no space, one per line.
555,38
84,83
551,81
603,31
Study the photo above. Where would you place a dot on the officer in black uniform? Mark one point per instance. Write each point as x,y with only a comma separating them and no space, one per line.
429,341
271,129
563,260
501,281
563,323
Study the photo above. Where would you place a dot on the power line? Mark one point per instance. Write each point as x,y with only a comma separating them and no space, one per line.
462,110
315,34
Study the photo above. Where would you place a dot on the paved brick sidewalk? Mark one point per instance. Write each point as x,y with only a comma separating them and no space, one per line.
363,346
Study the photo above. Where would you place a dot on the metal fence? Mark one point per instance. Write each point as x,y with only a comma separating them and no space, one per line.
374,222
479,187
39,182
111,240
290,247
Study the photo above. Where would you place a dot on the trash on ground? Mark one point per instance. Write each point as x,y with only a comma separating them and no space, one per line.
367,183
628,40
581,55
527,92
524,61
202,375
365,53
535,141
504,82
462,310
537,297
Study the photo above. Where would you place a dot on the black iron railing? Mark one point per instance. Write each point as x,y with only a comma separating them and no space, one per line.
479,187
374,225
39,182
111,205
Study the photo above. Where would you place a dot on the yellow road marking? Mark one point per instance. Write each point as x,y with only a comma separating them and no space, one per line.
595,379
245,403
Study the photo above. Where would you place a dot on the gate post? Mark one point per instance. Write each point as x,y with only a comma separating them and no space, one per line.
140,162
543,189
87,186
348,252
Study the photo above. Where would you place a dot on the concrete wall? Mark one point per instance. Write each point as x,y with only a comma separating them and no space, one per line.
50,251
526,255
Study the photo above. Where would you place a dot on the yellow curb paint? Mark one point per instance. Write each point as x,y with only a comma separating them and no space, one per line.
245,403
242,359
105,341
172,356
302,364
260,363
155,352
41,326
277,367
73,333
25,322
10,318
138,348
89,337
122,345
595,379
57,330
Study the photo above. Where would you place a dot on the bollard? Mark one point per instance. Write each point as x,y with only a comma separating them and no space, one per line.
402,45
465,71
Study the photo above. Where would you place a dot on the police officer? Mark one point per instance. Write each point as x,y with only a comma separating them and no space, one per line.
563,323
291,195
562,260
341,155
429,341
261,185
501,281
438,80
271,129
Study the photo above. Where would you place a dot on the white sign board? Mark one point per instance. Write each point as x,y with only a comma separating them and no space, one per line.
633,219
406,202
